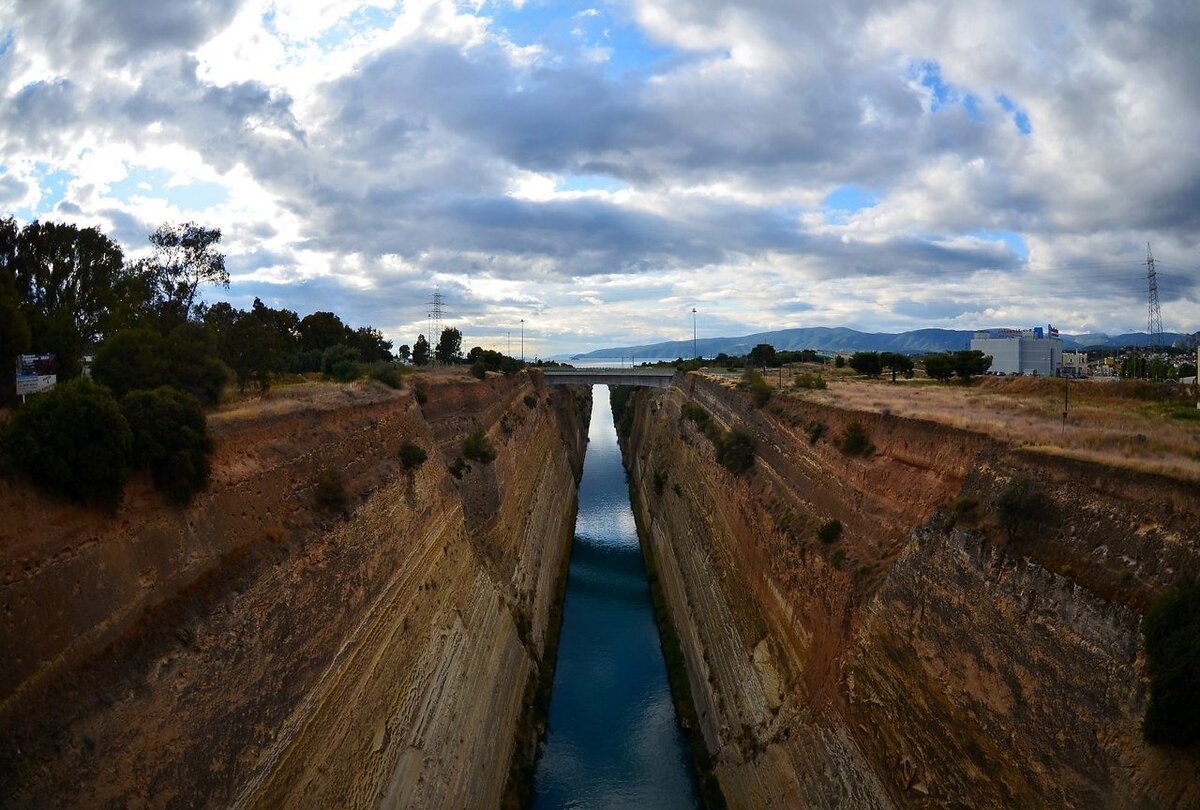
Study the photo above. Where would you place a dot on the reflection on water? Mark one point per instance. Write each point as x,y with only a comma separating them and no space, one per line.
612,739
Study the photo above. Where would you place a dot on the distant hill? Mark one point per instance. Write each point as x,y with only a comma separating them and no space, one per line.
824,338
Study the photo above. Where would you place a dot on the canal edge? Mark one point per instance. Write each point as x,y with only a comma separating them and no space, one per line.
701,762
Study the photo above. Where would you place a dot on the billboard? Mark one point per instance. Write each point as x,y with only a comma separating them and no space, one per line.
36,373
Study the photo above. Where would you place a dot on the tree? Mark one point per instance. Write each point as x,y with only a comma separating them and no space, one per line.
371,344
403,353
320,330
420,351
250,352
869,363
14,331
65,279
839,362
185,256
971,363
193,364
939,366
130,360
341,363
73,440
449,348
897,363
762,355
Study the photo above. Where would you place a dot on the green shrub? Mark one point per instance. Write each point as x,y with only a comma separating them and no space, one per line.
837,557
476,447
530,401
660,481
1171,629
193,363
854,441
815,431
390,374
170,437
694,413
459,467
412,455
1015,504
735,451
341,363
72,440
961,510
830,531
479,371
809,381
331,492
760,390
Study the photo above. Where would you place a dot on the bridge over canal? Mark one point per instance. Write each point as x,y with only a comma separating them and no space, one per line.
646,377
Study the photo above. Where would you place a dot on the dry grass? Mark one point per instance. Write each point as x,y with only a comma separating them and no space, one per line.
1135,425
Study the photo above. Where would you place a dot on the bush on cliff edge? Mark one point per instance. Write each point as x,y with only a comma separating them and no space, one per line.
1171,629
73,440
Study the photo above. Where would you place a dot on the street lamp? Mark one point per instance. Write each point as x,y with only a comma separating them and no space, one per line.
695,356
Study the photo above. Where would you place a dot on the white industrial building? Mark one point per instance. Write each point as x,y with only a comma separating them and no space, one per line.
1021,351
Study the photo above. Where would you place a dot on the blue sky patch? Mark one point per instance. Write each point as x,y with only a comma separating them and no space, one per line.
850,197
152,183
569,31
1020,118
589,182
1013,240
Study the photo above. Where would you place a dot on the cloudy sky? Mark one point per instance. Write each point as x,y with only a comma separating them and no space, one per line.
600,168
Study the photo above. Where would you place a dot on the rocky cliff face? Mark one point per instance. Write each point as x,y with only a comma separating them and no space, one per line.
255,651
925,657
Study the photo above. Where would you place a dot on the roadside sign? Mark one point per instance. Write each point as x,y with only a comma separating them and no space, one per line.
36,373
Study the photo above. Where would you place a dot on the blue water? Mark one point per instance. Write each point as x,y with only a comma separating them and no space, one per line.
612,738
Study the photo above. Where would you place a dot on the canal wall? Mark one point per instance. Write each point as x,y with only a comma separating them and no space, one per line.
922,656
259,649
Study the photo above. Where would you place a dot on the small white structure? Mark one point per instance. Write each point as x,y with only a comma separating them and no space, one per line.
1021,351
1074,364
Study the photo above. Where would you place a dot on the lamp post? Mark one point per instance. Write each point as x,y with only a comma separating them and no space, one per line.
695,356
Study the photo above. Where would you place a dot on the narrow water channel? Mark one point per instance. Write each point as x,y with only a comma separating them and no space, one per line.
612,739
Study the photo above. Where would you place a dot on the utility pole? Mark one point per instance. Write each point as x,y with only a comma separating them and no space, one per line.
1066,398
522,340
695,355
508,343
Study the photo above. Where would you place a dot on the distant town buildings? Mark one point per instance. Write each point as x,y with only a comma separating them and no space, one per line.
1023,351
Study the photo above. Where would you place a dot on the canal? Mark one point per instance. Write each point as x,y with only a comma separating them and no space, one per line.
612,738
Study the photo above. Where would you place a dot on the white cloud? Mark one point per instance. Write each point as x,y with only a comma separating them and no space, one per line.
366,151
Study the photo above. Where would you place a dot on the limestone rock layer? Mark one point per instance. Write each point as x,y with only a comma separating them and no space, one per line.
255,650
923,657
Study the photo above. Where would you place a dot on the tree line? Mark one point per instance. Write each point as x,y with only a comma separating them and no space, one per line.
161,355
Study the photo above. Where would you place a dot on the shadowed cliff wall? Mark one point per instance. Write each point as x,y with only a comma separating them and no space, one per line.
252,650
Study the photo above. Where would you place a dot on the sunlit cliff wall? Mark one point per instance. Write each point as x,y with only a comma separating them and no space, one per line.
918,660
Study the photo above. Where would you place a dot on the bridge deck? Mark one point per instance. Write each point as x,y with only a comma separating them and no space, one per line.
654,377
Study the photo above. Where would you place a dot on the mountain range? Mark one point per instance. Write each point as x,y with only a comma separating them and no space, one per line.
840,338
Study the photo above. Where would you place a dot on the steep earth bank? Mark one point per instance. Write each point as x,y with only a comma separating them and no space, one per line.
256,650
924,658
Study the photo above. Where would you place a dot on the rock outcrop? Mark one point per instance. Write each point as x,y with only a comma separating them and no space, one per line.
256,650
925,656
